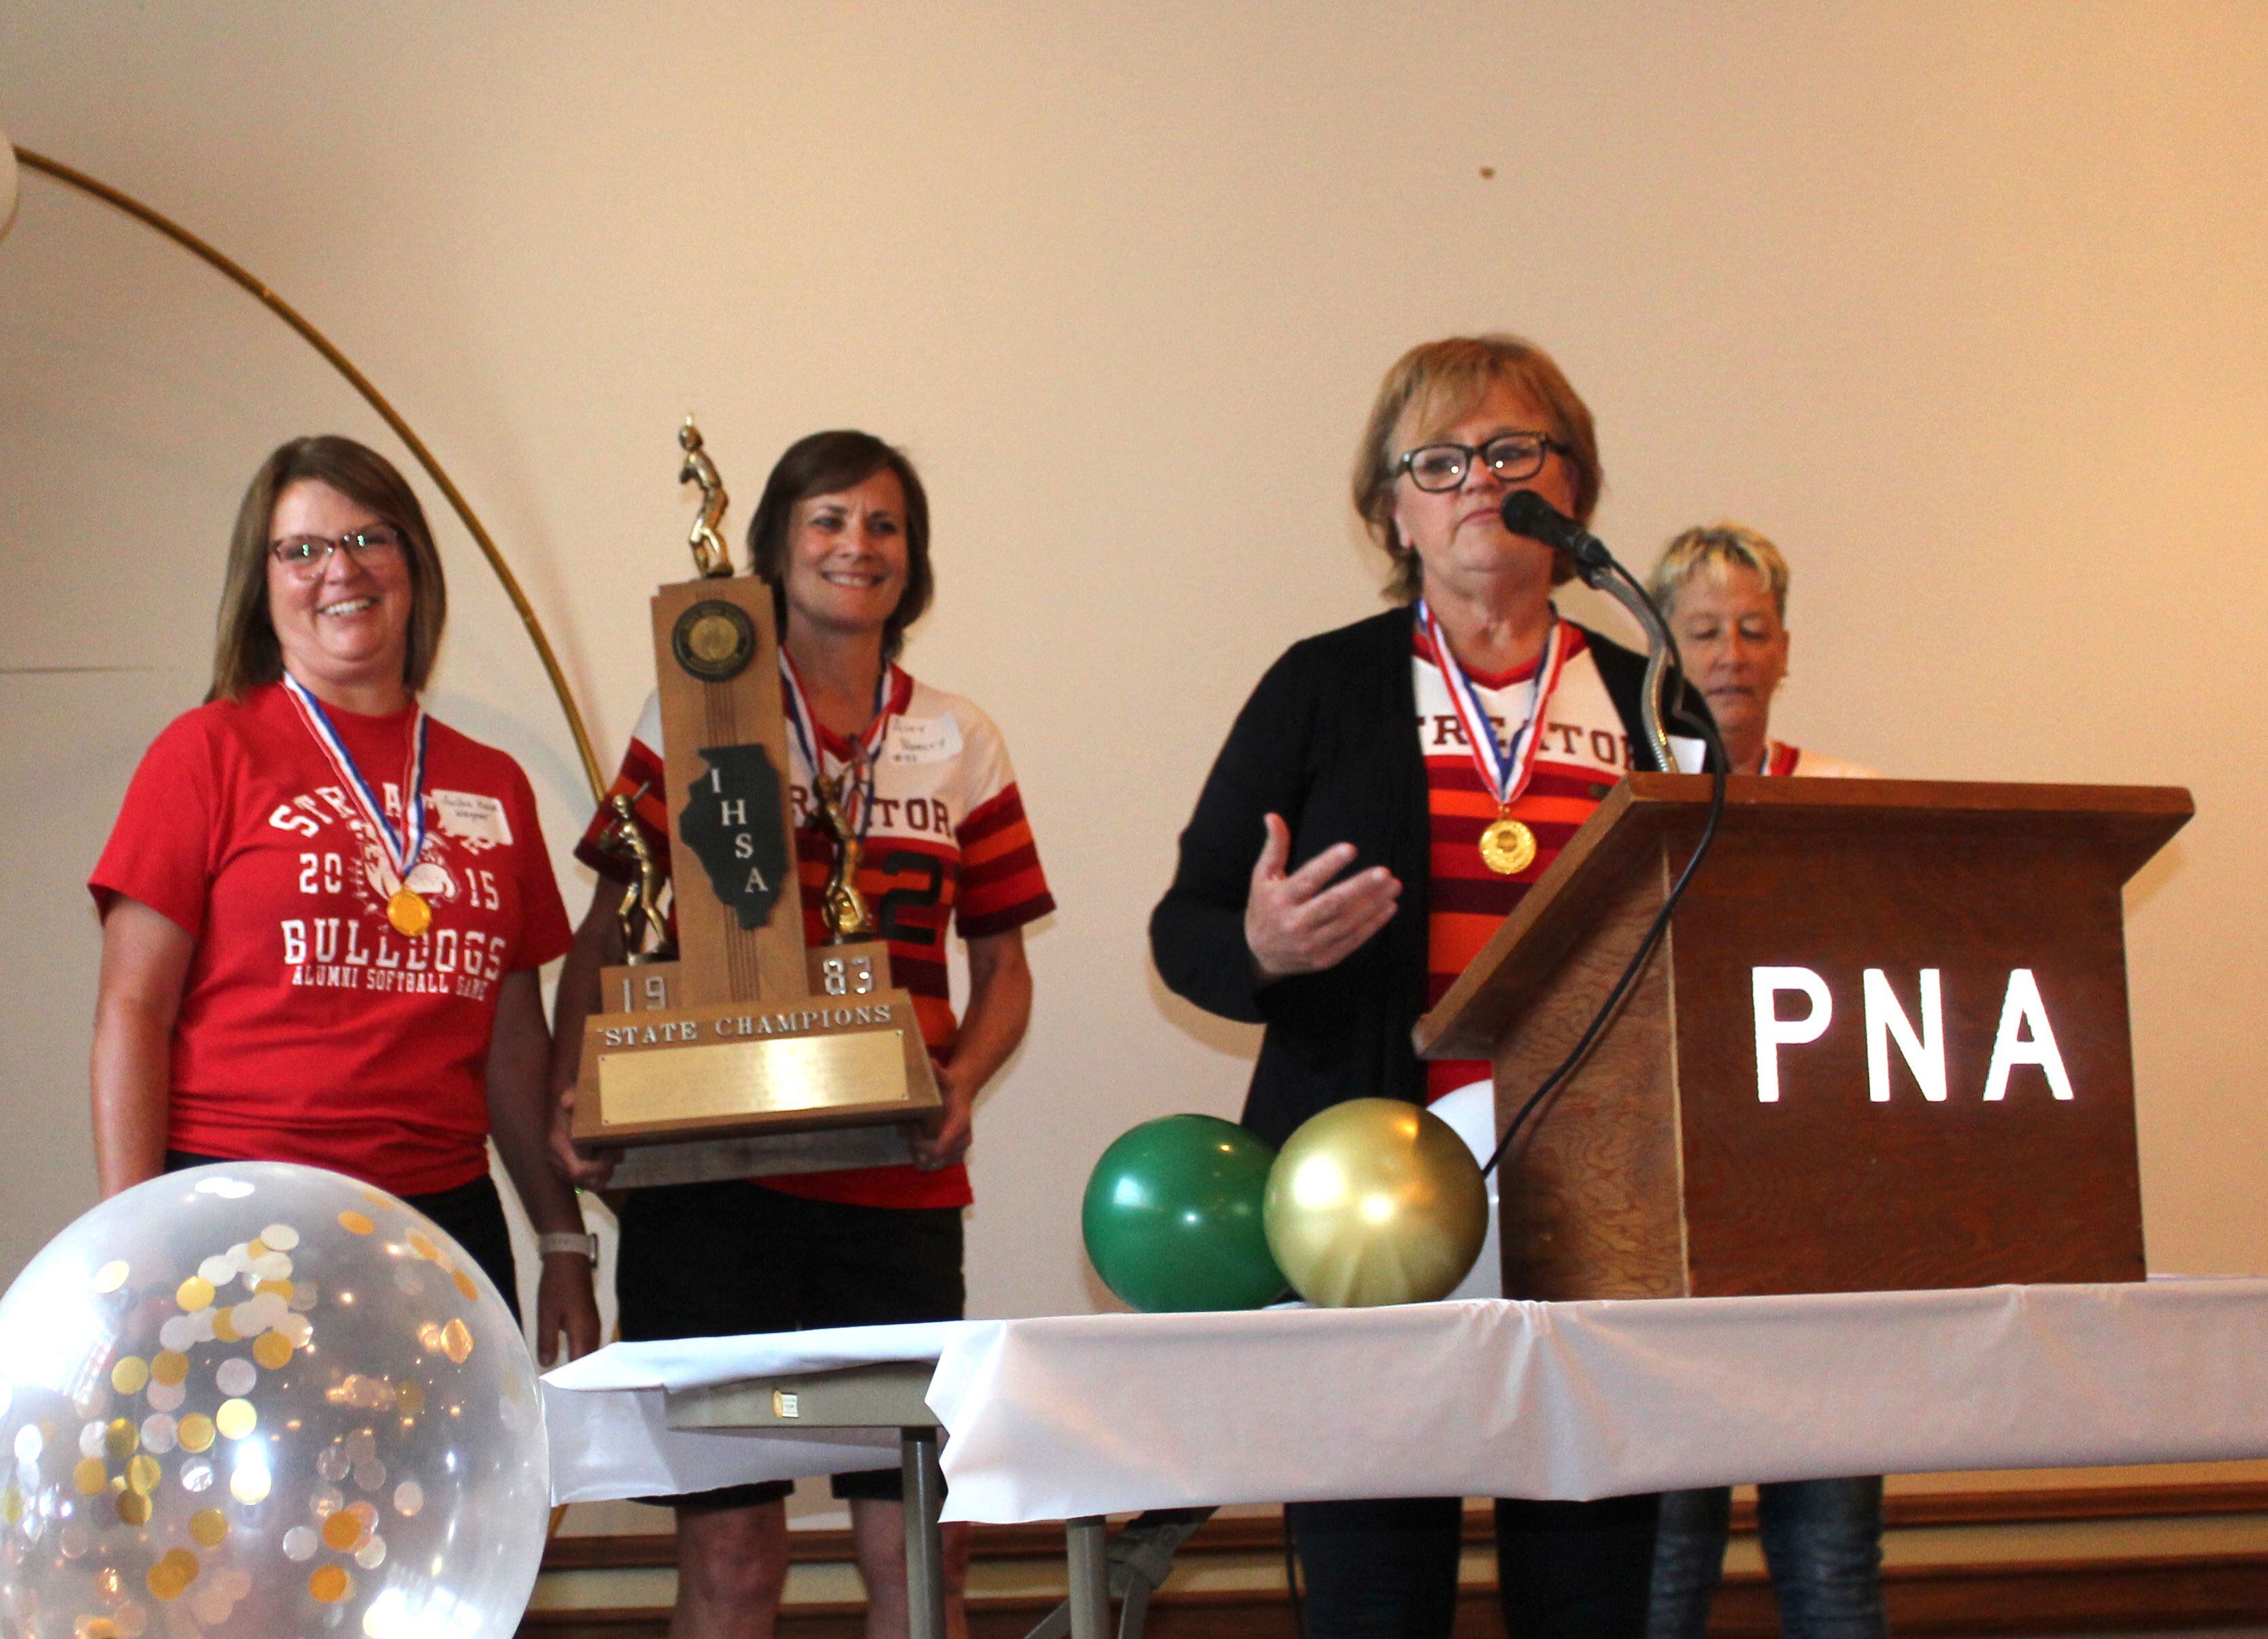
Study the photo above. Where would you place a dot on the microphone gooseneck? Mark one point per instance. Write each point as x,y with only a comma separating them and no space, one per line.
1525,512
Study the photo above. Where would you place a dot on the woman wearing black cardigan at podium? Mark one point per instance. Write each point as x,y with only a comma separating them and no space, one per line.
1357,842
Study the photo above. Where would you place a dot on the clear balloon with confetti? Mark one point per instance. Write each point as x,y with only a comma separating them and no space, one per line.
262,1400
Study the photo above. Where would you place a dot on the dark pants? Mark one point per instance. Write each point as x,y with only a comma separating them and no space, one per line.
1573,1570
472,1214
1823,1541
731,1258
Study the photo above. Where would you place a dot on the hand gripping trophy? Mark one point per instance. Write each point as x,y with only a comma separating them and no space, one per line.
738,1051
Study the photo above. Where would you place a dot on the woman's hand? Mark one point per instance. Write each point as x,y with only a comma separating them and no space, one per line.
999,1007
1302,923
591,1171
565,1305
598,944
944,1138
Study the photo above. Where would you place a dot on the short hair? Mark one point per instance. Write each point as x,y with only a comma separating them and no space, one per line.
246,653
1443,380
824,463
1716,548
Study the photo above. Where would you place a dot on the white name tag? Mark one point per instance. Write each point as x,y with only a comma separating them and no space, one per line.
915,740
471,816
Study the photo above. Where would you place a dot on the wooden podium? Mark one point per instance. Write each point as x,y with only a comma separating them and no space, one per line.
1882,1045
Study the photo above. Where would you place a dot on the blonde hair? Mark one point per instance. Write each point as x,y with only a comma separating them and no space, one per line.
1442,379
246,653
1719,548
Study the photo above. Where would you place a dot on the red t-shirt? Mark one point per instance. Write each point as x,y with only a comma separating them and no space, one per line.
947,847
310,1031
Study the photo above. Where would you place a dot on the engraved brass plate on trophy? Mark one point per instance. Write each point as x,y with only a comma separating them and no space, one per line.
713,641
812,1073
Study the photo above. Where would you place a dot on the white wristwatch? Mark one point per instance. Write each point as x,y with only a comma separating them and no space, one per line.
584,1245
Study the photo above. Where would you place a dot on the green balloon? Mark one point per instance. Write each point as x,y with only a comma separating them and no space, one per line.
1173,1220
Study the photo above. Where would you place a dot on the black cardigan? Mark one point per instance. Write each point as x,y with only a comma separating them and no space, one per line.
1329,740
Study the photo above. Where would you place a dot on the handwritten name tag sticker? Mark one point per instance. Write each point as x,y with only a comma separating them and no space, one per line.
469,815
917,739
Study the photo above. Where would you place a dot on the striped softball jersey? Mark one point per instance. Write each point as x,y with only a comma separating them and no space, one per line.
1583,752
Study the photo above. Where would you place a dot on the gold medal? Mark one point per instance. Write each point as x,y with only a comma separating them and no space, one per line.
411,916
1508,847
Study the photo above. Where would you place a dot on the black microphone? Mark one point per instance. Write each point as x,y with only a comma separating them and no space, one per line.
1525,512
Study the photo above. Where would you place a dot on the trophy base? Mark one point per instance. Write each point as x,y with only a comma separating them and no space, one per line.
771,1154
833,1079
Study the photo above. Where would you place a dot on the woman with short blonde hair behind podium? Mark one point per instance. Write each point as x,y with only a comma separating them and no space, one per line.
1723,588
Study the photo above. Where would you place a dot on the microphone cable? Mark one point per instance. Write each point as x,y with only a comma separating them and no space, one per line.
1715,742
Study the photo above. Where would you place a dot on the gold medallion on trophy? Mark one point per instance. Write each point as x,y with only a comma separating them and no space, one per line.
1507,846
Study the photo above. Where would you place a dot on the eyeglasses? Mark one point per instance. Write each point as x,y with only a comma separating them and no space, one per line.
1515,456
308,555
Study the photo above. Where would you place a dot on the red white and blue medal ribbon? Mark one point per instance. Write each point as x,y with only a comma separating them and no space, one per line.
865,754
405,908
1507,848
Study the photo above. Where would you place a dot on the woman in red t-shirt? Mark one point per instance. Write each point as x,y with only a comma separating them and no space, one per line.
323,913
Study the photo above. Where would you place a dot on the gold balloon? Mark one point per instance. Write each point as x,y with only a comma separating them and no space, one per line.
1376,1202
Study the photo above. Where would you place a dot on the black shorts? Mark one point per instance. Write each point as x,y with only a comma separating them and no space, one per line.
729,1258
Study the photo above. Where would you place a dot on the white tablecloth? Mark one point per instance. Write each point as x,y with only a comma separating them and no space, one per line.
1054,1418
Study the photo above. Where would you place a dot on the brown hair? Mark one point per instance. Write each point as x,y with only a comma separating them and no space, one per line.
1442,381
246,653
825,463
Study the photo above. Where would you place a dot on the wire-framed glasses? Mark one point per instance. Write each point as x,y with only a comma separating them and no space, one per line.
1515,456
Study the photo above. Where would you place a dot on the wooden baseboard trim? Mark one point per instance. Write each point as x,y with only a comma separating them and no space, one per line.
2094,1595
2201,1591
2037,1597
1252,1533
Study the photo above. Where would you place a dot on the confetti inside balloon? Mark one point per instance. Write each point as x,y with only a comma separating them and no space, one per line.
190,1372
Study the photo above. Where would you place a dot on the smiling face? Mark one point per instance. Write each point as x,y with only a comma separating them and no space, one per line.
846,556
1734,647
343,630
1457,534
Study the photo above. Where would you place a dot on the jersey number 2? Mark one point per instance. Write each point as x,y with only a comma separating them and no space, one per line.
899,900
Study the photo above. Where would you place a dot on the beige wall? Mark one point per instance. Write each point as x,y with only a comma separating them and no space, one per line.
1962,304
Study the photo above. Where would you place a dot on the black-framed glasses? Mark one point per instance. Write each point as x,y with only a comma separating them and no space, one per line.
1516,456
309,554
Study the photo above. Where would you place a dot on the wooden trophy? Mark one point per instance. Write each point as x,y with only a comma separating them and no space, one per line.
740,1052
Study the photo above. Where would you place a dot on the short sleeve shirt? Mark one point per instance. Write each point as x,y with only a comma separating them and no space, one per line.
309,1029
1780,758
